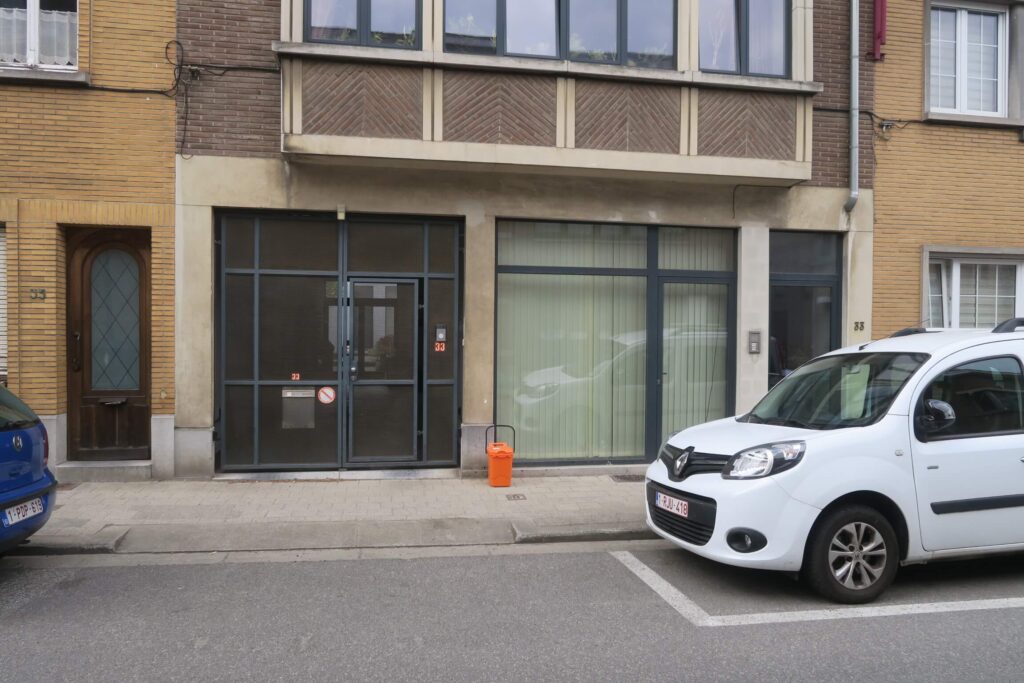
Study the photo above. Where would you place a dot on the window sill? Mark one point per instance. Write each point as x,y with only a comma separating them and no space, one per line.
30,76
973,120
556,67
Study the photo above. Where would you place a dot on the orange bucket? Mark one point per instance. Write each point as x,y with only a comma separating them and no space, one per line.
499,458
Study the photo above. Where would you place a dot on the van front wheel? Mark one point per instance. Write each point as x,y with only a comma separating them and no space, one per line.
852,555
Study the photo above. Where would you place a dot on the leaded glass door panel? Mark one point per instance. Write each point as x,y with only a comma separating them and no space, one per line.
108,345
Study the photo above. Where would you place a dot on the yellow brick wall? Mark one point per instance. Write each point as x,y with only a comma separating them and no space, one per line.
72,158
935,184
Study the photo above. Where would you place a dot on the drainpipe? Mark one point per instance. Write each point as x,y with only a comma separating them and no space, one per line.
854,106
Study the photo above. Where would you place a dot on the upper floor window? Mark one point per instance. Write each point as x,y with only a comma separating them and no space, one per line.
627,32
973,293
968,61
375,23
749,37
39,33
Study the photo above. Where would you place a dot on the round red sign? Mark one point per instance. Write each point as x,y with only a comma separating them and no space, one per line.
326,395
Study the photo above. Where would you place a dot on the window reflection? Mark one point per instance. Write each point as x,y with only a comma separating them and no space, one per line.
718,29
470,26
532,28
334,20
650,40
593,30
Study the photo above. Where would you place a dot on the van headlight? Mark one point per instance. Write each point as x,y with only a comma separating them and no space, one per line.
761,461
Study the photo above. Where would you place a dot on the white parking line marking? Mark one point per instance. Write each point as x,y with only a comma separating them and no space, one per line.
669,593
698,617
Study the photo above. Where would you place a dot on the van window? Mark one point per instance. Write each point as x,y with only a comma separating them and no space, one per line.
985,395
833,392
13,413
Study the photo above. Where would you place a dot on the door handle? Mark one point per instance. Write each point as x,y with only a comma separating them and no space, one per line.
114,402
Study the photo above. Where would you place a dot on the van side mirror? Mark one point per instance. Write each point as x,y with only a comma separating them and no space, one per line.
934,417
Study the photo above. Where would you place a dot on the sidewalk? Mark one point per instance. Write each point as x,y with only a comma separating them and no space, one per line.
206,516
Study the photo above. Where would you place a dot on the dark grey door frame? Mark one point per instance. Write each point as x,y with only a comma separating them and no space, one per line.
341,383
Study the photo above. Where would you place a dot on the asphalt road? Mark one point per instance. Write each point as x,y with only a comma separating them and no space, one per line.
554,612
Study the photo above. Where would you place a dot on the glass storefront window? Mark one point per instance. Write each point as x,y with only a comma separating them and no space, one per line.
578,355
572,355
568,245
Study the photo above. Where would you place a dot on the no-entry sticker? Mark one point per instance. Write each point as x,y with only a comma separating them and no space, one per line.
326,395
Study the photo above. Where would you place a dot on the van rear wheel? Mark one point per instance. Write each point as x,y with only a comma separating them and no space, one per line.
852,555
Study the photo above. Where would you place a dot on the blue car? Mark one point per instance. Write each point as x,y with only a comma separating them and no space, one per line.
28,490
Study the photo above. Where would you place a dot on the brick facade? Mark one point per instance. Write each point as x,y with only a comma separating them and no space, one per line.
938,184
78,157
832,68
233,112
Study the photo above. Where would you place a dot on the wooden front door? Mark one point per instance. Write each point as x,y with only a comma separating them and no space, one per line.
108,345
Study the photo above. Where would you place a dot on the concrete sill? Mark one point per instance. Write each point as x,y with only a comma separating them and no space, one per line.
555,67
72,79
976,121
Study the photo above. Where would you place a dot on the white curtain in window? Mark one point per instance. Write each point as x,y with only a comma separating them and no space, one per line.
694,356
982,77
572,353
943,59
13,28
58,38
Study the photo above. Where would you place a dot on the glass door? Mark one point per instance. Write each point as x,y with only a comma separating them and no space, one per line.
338,342
384,372
696,354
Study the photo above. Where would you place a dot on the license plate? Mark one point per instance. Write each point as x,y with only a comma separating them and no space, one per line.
673,505
23,511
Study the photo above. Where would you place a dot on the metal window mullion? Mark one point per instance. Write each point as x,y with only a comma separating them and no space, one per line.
620,33
257,229
743,35
500,25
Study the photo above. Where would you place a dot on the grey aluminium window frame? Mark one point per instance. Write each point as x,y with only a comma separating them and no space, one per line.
563,36
657,277
743,40
363,22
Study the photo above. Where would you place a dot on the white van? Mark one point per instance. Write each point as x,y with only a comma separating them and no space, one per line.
898,451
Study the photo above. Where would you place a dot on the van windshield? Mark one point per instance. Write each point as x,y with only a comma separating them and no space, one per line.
851,390
13,413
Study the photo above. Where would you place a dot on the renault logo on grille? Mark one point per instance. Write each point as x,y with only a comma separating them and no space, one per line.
681,461
17,443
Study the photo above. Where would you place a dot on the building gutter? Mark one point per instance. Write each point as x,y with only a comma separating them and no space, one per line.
854,106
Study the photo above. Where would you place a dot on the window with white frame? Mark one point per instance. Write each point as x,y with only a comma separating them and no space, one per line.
39,33
968,62
974,293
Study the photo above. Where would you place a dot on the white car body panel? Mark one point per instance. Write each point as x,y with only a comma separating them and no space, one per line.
884,458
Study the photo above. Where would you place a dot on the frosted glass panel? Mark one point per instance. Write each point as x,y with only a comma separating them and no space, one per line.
115,321
694,356
943,59
982,82
579,245
571,361
987,294
697,249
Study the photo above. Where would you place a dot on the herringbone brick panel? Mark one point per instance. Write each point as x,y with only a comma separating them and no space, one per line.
627,117
499,109
362,100
746,124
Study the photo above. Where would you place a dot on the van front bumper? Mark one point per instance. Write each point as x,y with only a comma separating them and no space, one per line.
718,506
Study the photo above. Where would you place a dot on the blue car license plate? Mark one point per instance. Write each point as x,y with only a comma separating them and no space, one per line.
23,511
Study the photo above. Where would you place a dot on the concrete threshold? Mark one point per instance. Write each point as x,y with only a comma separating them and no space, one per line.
343,475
